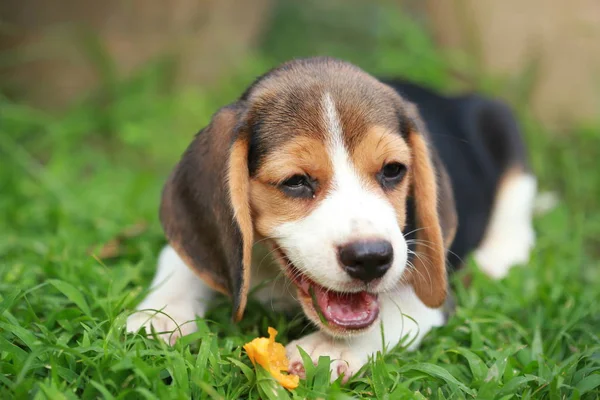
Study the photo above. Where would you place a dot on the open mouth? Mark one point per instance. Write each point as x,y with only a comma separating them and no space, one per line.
347,311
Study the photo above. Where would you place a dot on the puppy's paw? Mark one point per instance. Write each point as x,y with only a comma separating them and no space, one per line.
170,322
344,360
499,255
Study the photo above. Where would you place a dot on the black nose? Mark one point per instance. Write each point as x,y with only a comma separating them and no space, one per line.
366,260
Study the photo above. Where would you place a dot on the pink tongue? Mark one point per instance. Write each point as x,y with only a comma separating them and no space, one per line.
348,310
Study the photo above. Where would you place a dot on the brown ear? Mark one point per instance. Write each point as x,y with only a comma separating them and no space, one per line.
435,216
205,210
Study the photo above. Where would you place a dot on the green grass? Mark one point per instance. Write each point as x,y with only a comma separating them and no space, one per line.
71,183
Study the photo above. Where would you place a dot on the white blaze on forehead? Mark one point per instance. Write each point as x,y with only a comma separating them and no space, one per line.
357,208
344,174
332,121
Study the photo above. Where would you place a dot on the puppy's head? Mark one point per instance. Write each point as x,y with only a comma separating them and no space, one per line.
326,164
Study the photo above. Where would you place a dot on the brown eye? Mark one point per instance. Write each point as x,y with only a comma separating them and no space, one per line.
391,174
299,186
294,181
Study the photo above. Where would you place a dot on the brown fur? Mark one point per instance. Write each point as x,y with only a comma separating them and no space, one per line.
204,210
239,190
429,275
287,102
302,155
378,147
224,191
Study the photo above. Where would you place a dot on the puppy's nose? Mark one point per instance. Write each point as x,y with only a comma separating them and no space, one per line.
366,260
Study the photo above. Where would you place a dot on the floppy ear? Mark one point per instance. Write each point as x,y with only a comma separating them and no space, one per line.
435,215
205,210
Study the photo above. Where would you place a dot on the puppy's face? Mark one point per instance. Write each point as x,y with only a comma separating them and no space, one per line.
317,158
329,177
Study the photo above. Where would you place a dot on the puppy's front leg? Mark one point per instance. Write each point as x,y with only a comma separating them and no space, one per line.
176,297
401,314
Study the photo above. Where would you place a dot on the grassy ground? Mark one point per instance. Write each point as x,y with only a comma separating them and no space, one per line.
73,183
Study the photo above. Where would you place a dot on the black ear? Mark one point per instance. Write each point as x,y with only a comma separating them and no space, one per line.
435,214
205,210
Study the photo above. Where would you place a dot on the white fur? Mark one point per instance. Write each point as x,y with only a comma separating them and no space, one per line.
332,122
176,297
402,315
510,236
349,213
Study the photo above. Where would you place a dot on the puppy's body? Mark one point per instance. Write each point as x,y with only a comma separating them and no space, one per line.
357,198
481,148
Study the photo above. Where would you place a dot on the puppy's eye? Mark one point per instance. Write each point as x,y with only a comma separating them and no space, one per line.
300,186
393,171
296,180
391,174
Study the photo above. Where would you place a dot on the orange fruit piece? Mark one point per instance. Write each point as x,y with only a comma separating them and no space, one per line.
271,356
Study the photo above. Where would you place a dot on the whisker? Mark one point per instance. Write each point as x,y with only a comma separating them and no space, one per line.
265,238
414,269
413,231
426,269
268,254
420,242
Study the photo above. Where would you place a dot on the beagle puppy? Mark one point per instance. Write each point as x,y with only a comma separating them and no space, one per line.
349,195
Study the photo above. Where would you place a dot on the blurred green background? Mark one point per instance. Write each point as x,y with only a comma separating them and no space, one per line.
544,53
99,99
